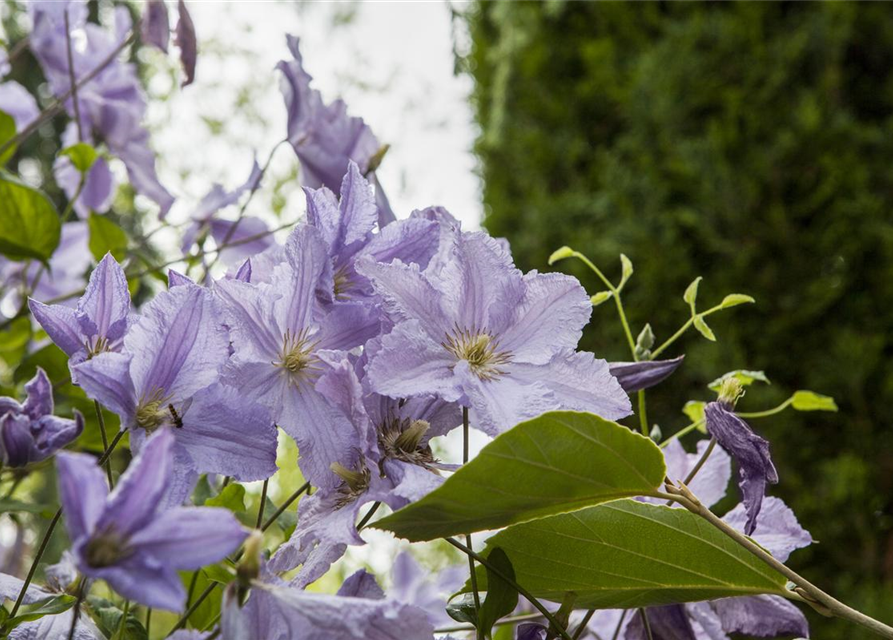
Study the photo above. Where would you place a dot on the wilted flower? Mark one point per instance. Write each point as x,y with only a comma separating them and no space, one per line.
156,28
478,332
187,43
166,376
128,539
30,432
635,376
751,452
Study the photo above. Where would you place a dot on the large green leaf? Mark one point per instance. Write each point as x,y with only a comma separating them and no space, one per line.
7,133
631,554
106,236
558,462
29,224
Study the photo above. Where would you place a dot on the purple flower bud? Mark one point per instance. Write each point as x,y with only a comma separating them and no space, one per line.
635,376
156,25
187,43
669,622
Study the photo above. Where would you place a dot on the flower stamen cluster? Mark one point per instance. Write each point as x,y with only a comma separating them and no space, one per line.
107,548
480,350
297,356
355,482
401,440
152,411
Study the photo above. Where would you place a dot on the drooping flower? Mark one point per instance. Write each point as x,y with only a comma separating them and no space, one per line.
100,320
30,432
112,104
346,227
187,43
478,332
359,611
128,539
635,376
280,336
751,452
324,136
166,375
156,28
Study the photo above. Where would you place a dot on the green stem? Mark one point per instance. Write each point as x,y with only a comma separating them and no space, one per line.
43,546
643,414
263,501
195,605
619,625
701,461
368,516
524,592
646,624
149,622
105,441
82,587
509,620
583,623
615,293
768,412
473,574
683,329
285,505
122,625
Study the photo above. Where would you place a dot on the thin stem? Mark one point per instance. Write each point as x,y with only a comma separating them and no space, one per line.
819,599
260,509
646,624
74,86
114,443
768,412
192,584
619,625
583,623
15,485
69,208
195,605
105,440
473,574
504,621
149,622
232,230
701,461
368,516
59,104
77,607
43,546
643,414
524,592
684,431
683,329
285,505
615,293
122,624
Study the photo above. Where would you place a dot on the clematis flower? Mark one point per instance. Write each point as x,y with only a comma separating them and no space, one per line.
751,452
411,584
99,186
156,29
112,104
388,461
359,611
128,539
100,320
478,332
187,43
324,136
166,375
30,432
280,336
346,227
18,103
777,531
635,376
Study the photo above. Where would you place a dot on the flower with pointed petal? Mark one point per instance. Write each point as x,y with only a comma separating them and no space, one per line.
635,376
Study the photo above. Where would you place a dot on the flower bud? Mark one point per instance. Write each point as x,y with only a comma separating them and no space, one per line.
249,566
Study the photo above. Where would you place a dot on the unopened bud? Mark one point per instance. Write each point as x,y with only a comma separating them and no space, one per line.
249,565
656,434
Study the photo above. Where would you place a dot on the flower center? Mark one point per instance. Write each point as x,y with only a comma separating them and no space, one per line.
153,411
297,357
401,440
355,482
99,345
479,350
106,548
343,284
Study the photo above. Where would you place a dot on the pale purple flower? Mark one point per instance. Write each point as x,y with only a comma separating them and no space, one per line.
18,103
99,186
5,67
324,136
751,452
479,332
712,480
166,375
187,43
126,537
156,28
347,228
281,335
112,105
100,320
30,432
359,611
635,376
669,622
411,584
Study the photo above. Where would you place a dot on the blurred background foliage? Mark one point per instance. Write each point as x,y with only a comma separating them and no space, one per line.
750,143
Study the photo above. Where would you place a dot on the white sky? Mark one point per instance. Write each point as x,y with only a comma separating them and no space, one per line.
392,63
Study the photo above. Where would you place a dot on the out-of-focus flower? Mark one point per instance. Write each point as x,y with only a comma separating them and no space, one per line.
126,537
166,376
187,43
156,26
416,586
18,103
30,432
100,320
635,376
99,185
476,331
324,136
750,451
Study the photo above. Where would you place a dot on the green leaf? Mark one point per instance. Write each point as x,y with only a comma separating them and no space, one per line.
558,462
29,223
220,572
560,254
108,618
691,293
631,554
82,156
9,505
600,297
811,401
627,270
745,377
51,359
7,133
232,497
734,299
106,237
49,607
502,598
203,491
14,341
463,610
703,329
694,409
